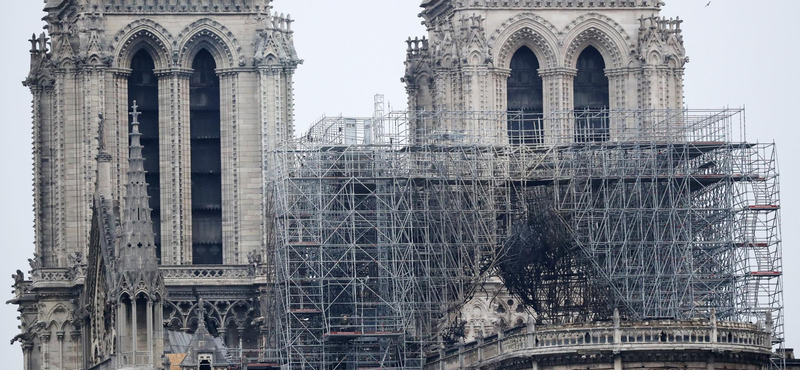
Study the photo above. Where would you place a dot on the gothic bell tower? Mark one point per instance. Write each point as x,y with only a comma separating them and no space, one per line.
212,80
540,58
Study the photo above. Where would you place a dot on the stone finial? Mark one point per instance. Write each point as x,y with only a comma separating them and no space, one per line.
201,314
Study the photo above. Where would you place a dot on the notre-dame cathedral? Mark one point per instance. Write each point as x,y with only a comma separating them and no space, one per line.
181,224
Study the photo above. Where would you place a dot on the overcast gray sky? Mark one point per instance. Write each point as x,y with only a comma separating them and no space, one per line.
354,49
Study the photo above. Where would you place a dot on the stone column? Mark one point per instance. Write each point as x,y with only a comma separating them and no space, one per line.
27,349
150,349
158,335
500,78
117,132
60,338
121,334
646,100
46,350
134,334
270,113
617,81
174,132
677,77
559,102
75,337
230,166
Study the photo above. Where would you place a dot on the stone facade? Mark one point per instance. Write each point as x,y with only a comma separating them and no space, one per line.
464,63
654,344
80,74
113,285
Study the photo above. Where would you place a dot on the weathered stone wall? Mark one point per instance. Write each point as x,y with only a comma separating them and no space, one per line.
464,63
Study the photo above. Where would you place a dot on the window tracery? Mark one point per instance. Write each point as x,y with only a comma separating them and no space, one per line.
206,161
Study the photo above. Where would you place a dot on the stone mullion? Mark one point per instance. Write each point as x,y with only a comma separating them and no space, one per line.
175,165
230,245
167,180
558,102
183,167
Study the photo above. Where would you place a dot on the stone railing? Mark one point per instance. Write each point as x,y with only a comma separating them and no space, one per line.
179,6
57,277
648,4
191,275
174,275
660,335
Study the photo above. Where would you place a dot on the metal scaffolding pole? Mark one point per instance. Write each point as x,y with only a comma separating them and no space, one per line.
386,225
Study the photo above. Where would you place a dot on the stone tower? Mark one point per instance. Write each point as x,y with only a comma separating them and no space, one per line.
540,64
544,57
213,83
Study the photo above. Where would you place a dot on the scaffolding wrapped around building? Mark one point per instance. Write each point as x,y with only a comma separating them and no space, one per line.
386,225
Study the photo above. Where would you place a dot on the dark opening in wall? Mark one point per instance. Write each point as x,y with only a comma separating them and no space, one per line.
525,99
206,162
143,88
591,97
141,324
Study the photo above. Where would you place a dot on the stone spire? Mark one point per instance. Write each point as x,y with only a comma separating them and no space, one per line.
137,248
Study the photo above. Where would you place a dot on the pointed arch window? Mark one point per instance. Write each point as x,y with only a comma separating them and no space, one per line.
143,88
591,97
206,161
525,99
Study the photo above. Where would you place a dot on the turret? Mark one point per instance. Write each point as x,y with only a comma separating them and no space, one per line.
140,286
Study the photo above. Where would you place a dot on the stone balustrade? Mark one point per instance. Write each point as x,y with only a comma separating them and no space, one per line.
605,337
173,275
204,275
179,6
649,4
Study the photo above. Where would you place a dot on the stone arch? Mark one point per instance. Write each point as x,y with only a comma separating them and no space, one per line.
526,29
142,34
601,32
58,316
210,35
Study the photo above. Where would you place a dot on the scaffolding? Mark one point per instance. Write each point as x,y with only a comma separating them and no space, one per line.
386,225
